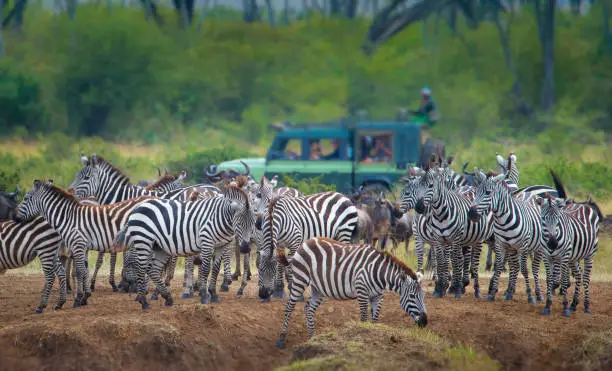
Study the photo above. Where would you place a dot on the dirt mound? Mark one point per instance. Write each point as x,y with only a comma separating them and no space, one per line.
595,352
380,347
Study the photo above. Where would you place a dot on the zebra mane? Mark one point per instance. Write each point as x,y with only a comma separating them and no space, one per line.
398,263
558,184
100,161
164,179
57,190
280,251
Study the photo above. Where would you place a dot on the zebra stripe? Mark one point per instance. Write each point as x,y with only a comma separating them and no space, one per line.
21,242
570,235
102,180
455,234
517,232
290,221
343,272
158,229
81,227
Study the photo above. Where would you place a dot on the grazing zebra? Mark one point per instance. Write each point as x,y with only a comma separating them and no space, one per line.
517,231
159,229
100,179
82,227
21,242
455,232
291,221
342,272
570,235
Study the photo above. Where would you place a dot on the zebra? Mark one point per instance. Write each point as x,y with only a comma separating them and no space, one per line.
517,231
100,179
290,221
23,241
570,235
81,227
342,272
455,232
161,228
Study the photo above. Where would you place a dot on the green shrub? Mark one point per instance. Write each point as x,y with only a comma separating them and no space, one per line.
307,186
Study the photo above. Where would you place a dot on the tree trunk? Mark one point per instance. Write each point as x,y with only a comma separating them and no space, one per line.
271,15
606,24
202,15
2,3
546,25
523,107
335,7
251,11
351,9
286,13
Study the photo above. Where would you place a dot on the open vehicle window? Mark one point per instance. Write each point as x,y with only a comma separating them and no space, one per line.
375,147
287,149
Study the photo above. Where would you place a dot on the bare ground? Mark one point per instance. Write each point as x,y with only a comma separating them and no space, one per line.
112,332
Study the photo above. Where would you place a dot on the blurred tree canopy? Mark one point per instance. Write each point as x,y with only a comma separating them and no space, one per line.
123,73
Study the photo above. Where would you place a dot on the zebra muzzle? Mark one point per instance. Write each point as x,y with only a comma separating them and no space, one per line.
552,243
264,293
245,248
421,320
420,206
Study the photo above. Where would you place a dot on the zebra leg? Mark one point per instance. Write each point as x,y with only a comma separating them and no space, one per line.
489,262
79,252
565,277
535,269
237,273
375,305
67,269
142,257
159,261
227,265
247,262
588,266
500,252
548,264
515,266
49,269
578,276
310,308
170,268
188,278
442,257
296,292
419,247
279,288
99,262
206,254
525,272
212,283
467,260
111,276
457,253
475,263
61,275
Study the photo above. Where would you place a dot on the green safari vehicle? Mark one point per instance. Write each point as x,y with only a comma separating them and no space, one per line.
348,153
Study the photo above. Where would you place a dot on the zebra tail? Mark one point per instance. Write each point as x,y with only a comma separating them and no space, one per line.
120,240
282,258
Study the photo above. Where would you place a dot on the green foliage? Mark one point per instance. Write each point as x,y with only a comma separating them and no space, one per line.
197,163
307,186
117,75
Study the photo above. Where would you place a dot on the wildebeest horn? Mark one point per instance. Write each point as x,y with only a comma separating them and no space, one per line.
464,169
246,167
14,194
166,170
158,172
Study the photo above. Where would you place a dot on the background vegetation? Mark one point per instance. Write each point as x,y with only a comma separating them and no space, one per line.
145,94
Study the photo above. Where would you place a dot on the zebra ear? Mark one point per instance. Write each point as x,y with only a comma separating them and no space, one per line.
274,181
36,184
93,160
84,159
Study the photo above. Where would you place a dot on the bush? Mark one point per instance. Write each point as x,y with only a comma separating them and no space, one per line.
307,186
197,163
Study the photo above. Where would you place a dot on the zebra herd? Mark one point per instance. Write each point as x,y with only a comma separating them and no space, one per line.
153,225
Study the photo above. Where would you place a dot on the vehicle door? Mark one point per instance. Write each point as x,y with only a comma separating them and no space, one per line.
286,156
376,152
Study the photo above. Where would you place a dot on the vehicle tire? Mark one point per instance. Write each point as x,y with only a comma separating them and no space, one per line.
430,146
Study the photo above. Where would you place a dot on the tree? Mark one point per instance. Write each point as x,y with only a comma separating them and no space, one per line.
545,14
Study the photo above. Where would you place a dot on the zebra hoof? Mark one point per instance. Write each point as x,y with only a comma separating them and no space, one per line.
235,276
546,311
58,307
267,300
281,344
75,304
572,308
93,286
477,294
169,303
508,297
587,311
39,310
145,306
566,313
205,299
115,289
240,292
216,299
539,300
154,297
224,288
436,294
531,300
458,294
187,295
451,289
249,277
490,298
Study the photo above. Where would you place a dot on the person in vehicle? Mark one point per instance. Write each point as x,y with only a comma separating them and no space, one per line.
315,150
427,110
382,149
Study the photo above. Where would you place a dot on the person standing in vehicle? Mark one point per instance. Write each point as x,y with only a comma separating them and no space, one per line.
427,110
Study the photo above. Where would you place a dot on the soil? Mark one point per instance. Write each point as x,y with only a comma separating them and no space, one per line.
112,332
